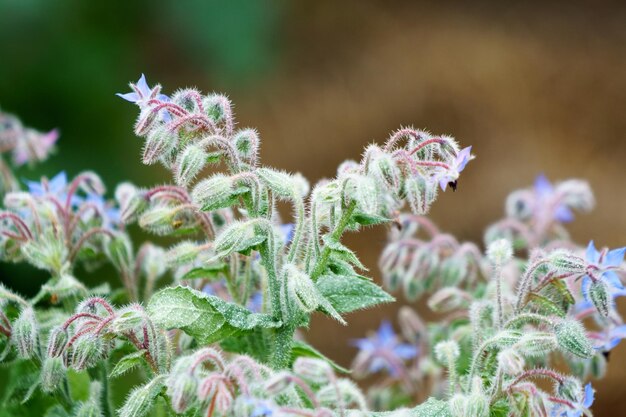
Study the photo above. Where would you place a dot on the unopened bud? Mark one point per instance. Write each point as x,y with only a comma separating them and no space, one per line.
181,388
520,204
420,193
119,250
570,389
564,262
384,169
511,362
130,201
219,110
57,340
25,334
448,299
153,263
52,373
500,251
160,142
127,319
411,325
140,401
86,352
447,352
189,163
301,291
571,337
159,219
214,193
536,344
246,142
598,293
182,253
315,371
281,183
576,194
278,383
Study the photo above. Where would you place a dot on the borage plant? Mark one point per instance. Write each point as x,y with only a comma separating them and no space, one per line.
507,337
224,341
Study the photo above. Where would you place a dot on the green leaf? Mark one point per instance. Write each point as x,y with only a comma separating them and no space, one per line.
339,251
350,293
303,349
545,306
430,408
127,363
366,219
206,272
205,317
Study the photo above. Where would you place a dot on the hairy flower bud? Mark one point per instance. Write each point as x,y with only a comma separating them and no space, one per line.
598,293
48,252
448,299
182,253
475,404
141,399
447,351
511,362
189,163
130,201
536,344
247,143
576,194
411,325
420,193
383,168
572,338
52,373
25,334
160,142
300,291
280,182
119,250
57,340
312,370
570,389
86,352
519,205
160,219
278,383
231,238
127,319
219,109
214,193
564,262
500,251
181,388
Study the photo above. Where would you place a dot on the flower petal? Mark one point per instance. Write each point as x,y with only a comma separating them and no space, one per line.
132,97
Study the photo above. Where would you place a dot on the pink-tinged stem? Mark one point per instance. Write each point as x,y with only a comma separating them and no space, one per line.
398,136
19,224
90,233
426,143
538,372
79,316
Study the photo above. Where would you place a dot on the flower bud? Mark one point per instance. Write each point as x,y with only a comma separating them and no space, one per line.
519,205
127,319
57,340
576,194
130,201
231,238
315,371
447,352
570,389
119,250
153,262
448,299
500,251
278,383
182,253
189,163
566,263
411,325
475,405
219,110
301,291
160,142
86,352
159,219
52,373
536,344
597,367
383,168
420,193
571,337
214,193
48,252
17,200
247,142
511,362
453,270
280,182
364,191
25,334
181,388
598,293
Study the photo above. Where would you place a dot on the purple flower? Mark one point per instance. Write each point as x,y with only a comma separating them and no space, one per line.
451,176
142,94
563,410
612,337
35,146
286,231
384,350
260,408
55,188
545,196
255,303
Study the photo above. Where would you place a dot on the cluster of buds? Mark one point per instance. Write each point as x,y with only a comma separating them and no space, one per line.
85,339
503,331
535,216
25,145
419,259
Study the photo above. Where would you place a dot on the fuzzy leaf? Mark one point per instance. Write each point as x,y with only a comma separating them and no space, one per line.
127,363
340,251
365,219
303,349
206,272
205,317
430,408
350,293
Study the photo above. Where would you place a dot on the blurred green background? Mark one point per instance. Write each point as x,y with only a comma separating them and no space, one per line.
533,87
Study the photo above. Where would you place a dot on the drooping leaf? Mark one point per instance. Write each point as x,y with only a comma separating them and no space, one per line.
205,317
207,272
340,251
303,349
128,363
350,293
366,219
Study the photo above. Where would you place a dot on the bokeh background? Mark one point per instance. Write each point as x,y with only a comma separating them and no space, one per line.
534,87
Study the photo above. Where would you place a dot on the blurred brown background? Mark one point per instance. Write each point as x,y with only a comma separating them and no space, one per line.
533,87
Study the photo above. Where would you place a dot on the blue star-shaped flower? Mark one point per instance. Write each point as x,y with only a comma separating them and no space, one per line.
605,261
55,187
384,350
142,94
563,410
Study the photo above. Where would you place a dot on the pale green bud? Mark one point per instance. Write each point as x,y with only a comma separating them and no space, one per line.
313,370
189,163
86,352
127,319
278,383
57,339
536,344
52,373
281,183
600,297
301,292
214,193
572,338
182,253
25,334
48,252
570,389
247,143
511,362
160,142
181,388
141,400
130,201
566,263
447,351
119,250
500,251
448,299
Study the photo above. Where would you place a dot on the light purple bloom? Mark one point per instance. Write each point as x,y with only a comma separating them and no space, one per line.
286,231
384,350
260,408
545,196
451,176
110,214
612,338
562,410
35,146
142,94
605,259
